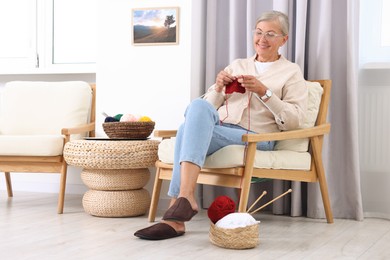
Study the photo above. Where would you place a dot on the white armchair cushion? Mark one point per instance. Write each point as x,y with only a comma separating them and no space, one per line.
31,145
43,108
233,155
314,100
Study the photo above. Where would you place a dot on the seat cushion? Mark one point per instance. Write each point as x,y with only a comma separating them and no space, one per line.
264,159
31,145
34,107
314,100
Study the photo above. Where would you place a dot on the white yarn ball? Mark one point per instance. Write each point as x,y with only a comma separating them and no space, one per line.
235,220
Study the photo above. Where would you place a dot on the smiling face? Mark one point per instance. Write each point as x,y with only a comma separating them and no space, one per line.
267,40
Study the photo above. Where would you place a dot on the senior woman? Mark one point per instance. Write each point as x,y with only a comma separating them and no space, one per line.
272,97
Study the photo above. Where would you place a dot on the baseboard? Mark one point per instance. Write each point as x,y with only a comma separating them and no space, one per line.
377,215
44,187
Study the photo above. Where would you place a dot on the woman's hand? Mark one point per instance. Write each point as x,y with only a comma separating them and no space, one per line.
250,83
223,78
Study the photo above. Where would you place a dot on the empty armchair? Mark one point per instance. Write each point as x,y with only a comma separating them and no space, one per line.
36,120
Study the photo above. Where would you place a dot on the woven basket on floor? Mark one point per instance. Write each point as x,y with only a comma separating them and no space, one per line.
235,238
129,203
108,180
128,130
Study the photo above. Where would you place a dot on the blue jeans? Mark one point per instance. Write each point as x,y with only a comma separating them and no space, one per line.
202,134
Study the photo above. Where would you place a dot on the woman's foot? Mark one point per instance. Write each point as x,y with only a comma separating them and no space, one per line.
177,225
158,231
193,203
180,211
172,224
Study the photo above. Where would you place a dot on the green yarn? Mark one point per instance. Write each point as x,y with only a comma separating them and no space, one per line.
118,117
258,180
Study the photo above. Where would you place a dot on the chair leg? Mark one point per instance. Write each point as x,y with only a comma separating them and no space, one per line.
322,181
61,194
155,196
246,181
9,184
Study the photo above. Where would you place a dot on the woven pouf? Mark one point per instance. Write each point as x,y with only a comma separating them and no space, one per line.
116,172
111,154
108,180
116,203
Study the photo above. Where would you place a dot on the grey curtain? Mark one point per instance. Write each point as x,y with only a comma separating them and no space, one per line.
324,42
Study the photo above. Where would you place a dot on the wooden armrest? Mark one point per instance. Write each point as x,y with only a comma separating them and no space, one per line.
293,134
165,133
79,129
276,136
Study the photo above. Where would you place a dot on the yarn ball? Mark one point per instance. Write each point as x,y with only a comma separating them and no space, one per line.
236,220
111,119
118,117
221,206
145,119
128,118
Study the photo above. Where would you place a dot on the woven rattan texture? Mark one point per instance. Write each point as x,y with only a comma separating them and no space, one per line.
109,180
116,203
128,130
111,154
235,238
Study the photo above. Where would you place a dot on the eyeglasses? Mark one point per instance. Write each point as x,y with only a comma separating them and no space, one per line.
267,35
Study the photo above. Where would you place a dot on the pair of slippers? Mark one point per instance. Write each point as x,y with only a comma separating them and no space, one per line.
180,211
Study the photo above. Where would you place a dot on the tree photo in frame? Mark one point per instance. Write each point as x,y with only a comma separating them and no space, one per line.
155,26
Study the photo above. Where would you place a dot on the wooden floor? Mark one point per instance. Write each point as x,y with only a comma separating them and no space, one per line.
30,228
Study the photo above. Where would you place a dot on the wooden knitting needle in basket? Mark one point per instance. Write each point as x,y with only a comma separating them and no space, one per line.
254,203
266,204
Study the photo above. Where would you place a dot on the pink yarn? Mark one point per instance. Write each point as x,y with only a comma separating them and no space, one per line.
128,118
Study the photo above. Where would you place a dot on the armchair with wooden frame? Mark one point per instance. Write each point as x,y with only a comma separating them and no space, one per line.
297,156
36,120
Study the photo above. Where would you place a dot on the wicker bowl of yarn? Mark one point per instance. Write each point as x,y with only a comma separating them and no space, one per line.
235,231
229,229
127,126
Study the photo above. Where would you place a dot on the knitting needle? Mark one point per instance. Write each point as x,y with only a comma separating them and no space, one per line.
266,204
262,195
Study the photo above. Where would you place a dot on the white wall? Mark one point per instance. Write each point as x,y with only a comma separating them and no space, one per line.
148,80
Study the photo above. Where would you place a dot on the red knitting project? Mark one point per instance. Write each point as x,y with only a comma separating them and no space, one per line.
234,86
221,206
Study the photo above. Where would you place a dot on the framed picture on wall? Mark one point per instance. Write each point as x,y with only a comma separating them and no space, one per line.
155,26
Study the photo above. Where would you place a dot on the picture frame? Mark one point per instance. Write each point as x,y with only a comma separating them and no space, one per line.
155,26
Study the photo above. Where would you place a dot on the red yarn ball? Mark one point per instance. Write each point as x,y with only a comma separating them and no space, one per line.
220,207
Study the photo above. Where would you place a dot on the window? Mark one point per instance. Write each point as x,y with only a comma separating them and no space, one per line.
48,36
385,33
374,32
18,42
